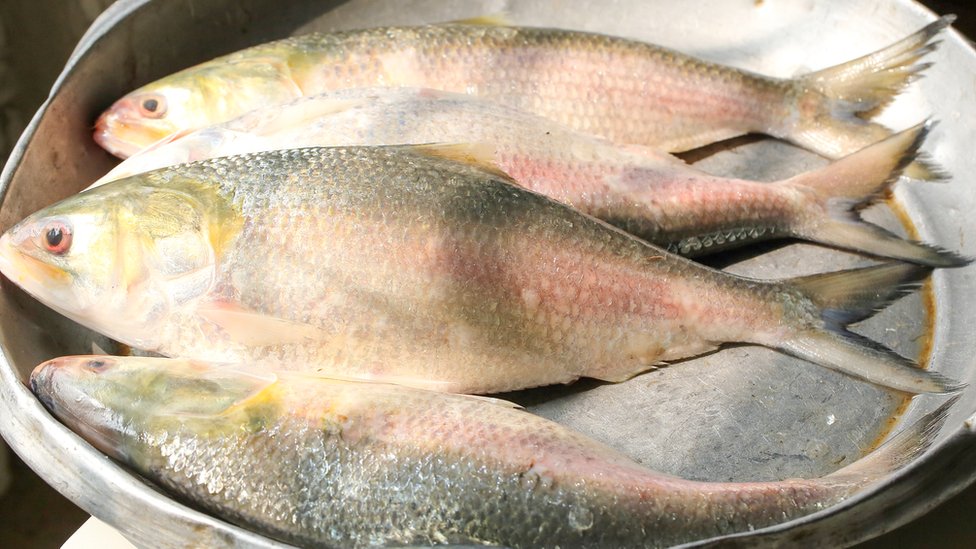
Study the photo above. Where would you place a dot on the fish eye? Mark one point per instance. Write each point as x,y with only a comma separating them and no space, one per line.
56,237
153,106
96,364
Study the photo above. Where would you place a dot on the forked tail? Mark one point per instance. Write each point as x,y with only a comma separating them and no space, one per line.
835,300
832,107
834,195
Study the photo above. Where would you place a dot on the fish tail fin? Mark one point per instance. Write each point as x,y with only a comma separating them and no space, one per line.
832,107
844,297
898,451
839,190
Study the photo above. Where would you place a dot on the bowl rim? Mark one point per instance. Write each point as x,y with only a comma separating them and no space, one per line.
939,474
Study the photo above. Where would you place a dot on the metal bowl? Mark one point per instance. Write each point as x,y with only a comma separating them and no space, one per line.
744,413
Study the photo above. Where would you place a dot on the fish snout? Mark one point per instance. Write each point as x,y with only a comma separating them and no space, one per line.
123,131
41,380
45,380
108,128
47,373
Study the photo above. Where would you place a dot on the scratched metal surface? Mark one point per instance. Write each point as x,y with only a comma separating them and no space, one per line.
743,413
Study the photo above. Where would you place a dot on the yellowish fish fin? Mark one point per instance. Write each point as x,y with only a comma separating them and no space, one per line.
838,102
256,329
257,389
479,155
499,19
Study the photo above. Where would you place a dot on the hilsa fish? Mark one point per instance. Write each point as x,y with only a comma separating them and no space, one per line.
404,265
319,462
624,90
647,193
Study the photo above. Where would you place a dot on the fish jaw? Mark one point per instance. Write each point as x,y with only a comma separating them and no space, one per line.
25,271
63,386
45,282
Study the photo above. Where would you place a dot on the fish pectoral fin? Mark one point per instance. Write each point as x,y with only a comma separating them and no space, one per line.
479,155
252,328
499,19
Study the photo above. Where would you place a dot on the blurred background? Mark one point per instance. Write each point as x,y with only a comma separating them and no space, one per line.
36,38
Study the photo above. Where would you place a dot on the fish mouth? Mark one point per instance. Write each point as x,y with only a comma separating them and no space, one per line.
40,383
47,383
26,271
116,137
56,385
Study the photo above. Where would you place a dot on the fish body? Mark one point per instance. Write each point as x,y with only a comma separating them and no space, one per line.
319,462
398,264
647,193
624,90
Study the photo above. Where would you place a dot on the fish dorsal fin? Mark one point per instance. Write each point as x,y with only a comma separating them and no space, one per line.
253,328
499,19
479,155
295,115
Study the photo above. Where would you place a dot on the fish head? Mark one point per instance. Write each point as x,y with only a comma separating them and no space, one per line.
120,259
197,97
113,402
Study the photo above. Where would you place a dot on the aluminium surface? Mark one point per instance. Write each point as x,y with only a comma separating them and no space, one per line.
743,413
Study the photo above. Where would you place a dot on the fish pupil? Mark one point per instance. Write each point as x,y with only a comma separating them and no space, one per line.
150,105
54,236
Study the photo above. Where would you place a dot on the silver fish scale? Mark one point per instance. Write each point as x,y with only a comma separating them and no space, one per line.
444,272
324,492
364,465
623,90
